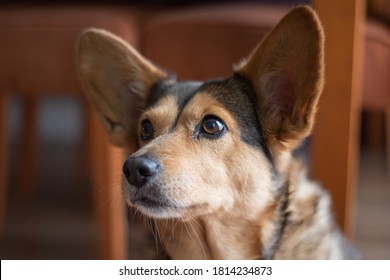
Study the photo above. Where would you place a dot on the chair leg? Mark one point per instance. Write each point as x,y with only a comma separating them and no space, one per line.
106,161
387,126
335,151
3,159
28,150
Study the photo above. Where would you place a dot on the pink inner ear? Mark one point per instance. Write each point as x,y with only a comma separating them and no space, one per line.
281,95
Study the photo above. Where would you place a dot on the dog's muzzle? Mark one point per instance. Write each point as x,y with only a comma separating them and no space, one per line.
140,170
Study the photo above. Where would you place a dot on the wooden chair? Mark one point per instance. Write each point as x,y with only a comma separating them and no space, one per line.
38,59
376,85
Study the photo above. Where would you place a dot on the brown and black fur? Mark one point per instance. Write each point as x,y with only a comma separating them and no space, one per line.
214,165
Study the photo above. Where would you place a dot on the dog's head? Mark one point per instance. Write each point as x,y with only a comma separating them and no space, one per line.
204,146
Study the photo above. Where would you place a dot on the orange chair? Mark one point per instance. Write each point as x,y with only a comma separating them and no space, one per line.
376,83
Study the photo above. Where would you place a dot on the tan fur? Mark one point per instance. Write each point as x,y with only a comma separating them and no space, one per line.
163,114
226,199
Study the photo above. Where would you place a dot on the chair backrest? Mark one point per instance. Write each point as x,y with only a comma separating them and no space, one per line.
38,45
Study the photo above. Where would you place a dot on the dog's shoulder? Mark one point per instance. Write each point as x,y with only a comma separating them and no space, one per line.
311,231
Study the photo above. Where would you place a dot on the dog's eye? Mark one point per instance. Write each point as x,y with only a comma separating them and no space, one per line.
146,130
212,126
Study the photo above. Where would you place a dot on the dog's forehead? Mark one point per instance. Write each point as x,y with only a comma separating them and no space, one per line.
234,94
181,92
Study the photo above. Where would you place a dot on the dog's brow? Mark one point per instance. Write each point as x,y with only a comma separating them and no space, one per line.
182,91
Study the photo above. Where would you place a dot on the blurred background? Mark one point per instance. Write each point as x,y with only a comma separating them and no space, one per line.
53,204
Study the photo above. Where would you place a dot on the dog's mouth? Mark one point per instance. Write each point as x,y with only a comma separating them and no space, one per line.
150,202
160,207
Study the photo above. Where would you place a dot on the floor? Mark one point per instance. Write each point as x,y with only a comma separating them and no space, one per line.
57,221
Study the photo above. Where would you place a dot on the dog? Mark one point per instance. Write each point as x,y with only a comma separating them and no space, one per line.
213,165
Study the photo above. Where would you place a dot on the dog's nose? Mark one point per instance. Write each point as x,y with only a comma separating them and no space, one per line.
140,170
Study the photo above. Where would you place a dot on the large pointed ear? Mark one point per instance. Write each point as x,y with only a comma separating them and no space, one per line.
286,72
117,80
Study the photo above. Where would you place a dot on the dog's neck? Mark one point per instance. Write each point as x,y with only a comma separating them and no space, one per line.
224,235
231,236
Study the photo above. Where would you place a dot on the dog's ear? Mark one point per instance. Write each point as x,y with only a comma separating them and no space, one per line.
117,80
286,72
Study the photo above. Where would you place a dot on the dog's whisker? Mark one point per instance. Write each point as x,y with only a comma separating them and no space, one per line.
156,234
197,238
134,212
